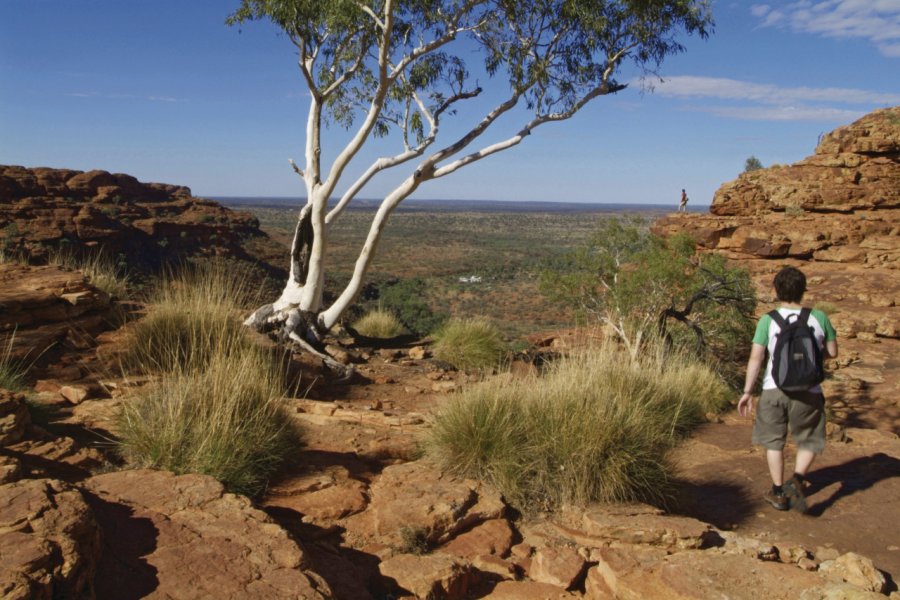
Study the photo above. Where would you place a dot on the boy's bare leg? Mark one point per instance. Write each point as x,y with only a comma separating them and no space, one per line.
775,459
805,460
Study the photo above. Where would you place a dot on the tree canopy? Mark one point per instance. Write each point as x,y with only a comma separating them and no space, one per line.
381,66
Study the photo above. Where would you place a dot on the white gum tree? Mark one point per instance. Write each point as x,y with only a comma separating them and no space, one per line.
380,67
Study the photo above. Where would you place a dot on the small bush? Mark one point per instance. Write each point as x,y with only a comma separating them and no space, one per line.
225,420
596,427
406,299
469,343
379,323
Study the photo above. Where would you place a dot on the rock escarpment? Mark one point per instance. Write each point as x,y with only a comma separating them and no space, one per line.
836,215
143,225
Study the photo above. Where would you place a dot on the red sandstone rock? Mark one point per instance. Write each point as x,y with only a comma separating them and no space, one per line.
147,223
49,541
561,567
491,537
438,576
14,417
173,536
528,590
417,496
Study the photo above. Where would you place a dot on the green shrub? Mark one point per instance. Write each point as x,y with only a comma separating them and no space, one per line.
379,323
225,420
469,343
406,299
827,307
596,426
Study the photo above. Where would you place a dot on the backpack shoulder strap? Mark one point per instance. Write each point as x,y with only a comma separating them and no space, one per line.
776,316
804,315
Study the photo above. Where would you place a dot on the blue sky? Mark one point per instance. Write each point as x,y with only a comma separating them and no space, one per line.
165,91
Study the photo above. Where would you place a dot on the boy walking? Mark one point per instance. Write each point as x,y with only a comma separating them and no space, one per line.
802,411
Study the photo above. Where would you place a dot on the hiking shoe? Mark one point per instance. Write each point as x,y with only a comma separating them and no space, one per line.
796,496
779,501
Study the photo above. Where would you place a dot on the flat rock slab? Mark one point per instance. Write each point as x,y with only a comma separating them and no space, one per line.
699,575
168,536
418,497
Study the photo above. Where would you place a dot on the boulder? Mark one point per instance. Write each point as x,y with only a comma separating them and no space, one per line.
438,576
417,496
856,570
561,567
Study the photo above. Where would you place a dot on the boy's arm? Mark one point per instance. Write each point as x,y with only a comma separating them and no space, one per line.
754,365
831,349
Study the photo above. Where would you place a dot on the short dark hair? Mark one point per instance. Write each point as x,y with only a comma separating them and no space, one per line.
790,284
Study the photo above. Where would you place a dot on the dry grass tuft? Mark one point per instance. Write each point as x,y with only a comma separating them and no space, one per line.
379,323
469,343
596,427
225,420
100,270
216,407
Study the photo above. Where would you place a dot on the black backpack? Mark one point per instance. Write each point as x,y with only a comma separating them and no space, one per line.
797,359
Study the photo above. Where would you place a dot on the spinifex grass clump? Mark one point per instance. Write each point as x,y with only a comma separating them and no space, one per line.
192,316
215,407
99,268
12,371
469,343
379,323
225,420
596,427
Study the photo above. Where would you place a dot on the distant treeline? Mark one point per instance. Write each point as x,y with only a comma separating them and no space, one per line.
460,205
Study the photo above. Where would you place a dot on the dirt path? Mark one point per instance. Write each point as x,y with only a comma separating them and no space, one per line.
855,486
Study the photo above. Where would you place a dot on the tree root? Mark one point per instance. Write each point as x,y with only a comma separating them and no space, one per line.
293,326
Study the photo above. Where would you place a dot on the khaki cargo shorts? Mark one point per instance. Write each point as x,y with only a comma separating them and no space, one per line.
804,412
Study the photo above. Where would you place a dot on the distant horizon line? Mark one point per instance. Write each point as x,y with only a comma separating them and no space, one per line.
369,203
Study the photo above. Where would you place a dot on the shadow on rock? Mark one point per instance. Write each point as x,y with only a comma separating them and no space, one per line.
351,574
122,573
723,504
853,476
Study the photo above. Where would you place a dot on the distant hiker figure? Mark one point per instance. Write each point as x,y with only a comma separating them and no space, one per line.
682,206
797,340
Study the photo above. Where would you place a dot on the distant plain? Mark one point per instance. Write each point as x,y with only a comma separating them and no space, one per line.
505,244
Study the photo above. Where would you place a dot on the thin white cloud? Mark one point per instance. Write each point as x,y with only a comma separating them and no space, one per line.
875,20
687,86
782,113
768,102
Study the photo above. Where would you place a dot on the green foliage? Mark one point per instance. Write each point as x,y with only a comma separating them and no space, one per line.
642,285
752,164
379,323
469,343
551,52
596,426
406,300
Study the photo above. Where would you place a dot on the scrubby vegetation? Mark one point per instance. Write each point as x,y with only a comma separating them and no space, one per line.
379,323
595,427
642,286
216,406
472,343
